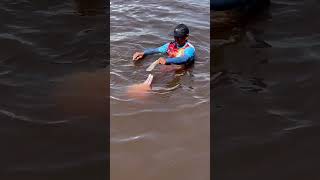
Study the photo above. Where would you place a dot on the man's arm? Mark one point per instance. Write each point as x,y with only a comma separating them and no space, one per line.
189,54
162,49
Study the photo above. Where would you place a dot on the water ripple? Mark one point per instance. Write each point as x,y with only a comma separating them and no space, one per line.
16,38
131,138
14,116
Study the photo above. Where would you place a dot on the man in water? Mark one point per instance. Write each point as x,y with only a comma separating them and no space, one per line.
179,52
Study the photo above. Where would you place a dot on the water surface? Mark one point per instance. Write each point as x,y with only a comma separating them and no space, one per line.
53,90
265,98
165,135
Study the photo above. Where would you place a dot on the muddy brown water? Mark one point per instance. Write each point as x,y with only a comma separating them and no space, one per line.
164,135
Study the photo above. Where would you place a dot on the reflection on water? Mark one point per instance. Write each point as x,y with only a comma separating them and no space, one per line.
82,93
265,68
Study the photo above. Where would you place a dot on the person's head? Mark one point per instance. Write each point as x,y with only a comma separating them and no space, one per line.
181,34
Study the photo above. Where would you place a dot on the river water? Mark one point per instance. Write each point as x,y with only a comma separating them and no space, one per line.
265,92
164,134
53,90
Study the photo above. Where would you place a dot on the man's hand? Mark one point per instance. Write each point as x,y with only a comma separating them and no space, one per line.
137,56
162,60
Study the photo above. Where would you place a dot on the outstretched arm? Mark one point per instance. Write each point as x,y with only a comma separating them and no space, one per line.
140,55
162,49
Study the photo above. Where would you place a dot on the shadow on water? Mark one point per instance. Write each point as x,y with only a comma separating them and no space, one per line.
265,73
53,88
91,8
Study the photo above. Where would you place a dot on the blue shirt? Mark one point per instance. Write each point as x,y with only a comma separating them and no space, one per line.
187,54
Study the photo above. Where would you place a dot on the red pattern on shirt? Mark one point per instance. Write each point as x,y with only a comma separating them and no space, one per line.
173,51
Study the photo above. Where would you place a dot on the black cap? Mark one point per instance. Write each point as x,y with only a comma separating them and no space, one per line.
180,31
